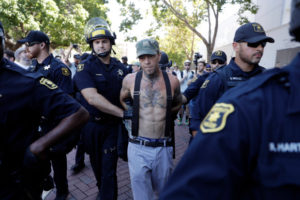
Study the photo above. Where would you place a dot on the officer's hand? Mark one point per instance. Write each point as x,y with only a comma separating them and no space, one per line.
129,112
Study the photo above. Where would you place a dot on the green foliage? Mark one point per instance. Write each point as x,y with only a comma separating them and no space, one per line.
62,20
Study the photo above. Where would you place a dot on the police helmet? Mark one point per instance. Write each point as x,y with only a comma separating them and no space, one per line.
97,28
295,22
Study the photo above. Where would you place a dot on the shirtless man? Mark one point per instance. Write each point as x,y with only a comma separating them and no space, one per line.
150,147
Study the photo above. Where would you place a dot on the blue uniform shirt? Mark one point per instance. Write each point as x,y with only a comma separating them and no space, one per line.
107,79
24,98
56,71
249,143
214,87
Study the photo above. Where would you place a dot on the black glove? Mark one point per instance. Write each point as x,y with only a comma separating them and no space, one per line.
129,112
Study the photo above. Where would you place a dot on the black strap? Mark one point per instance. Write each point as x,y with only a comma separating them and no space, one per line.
136,103
169,104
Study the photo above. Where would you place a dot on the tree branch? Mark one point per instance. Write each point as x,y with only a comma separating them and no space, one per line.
182,18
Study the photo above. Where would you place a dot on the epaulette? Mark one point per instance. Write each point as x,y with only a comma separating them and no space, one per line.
258,81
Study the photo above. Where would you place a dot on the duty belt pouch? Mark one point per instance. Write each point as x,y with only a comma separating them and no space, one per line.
136,105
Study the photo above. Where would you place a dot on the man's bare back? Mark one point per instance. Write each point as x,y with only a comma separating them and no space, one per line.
153,102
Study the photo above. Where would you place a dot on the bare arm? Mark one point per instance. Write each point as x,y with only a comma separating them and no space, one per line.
65,127
125,91
177,97
100,102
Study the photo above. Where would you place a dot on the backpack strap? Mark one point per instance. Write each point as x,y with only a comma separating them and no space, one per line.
136,103
169,104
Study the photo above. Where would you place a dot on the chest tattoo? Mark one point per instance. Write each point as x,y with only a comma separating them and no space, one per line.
152,96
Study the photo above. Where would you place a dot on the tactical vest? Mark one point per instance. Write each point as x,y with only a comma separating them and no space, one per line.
228,79
136,104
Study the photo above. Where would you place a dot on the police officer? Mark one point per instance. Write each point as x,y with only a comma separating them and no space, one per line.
189,95
249,42
38,47
99,80
218,59
24,98
250,139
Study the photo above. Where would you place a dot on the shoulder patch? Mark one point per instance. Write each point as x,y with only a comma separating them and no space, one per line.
204,85
120,72
49,84
215,120
65,71
80,67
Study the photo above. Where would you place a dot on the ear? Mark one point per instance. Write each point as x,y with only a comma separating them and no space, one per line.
235,46
42,45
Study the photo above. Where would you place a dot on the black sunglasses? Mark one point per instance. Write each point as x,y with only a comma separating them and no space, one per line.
255,44
29,44
217,61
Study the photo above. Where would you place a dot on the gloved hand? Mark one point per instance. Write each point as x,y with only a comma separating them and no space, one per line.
129,112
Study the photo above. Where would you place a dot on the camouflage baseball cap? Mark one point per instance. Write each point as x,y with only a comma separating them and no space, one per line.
147,47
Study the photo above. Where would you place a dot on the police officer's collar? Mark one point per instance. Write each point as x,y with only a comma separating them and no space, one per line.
45,62
239,72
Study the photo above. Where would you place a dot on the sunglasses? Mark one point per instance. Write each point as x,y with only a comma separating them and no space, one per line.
217,61
255,44
29,44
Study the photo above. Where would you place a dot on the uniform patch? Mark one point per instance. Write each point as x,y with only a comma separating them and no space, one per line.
120,72
215,120
80,67
65,71
47,67
258,28
49,84
204,85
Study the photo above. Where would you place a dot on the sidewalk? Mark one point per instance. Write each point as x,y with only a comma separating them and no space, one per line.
83,184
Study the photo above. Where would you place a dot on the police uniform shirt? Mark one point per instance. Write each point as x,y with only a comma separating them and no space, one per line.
213,88
57,72
249,143
194,87
107,79
24,98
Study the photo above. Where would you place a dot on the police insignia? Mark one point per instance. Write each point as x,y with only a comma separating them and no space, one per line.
258,28
47,67
80,67
65,71
204,85
215,120
120,72
49,84
218,53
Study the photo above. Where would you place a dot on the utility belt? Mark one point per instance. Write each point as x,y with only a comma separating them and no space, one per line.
105,119
163,142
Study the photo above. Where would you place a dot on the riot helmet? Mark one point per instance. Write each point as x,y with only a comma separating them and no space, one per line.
295,22
97,28
2,40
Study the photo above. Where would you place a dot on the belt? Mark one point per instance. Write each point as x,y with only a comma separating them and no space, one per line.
164,143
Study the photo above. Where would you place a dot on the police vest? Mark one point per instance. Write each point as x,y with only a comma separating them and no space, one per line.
228,79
